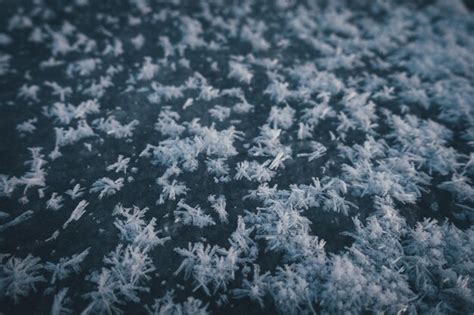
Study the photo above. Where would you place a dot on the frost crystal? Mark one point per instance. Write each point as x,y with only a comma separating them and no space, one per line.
106,186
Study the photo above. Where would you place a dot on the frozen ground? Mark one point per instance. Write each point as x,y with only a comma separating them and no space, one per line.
236,157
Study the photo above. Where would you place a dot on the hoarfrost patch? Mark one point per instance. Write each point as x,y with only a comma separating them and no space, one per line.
294,157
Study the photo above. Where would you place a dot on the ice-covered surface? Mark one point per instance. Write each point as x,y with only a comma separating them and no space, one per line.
236,157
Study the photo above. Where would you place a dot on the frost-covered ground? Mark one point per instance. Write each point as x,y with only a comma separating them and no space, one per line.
236,157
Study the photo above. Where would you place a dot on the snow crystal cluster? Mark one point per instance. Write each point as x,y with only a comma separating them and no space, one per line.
236,157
